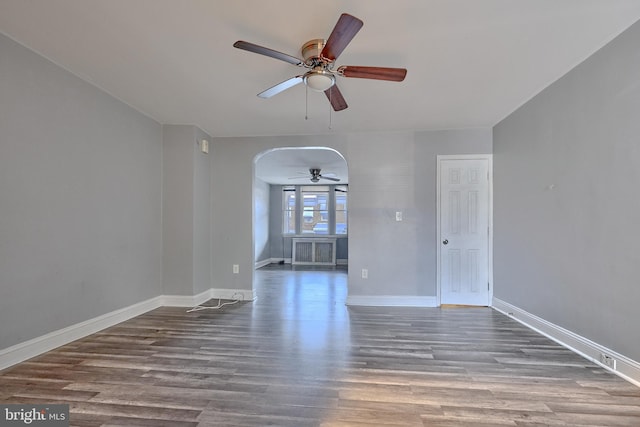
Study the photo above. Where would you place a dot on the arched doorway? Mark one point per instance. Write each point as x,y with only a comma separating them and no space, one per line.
299,194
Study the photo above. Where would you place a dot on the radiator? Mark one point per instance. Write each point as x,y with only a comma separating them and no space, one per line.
314,251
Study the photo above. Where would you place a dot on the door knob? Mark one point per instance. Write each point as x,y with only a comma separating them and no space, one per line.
445,241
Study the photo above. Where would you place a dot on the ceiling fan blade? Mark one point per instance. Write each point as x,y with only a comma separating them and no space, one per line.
335,98
329,178
376,73
301,175
345,30
240,44
280,87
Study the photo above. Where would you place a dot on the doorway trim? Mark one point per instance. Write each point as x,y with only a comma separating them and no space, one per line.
439,159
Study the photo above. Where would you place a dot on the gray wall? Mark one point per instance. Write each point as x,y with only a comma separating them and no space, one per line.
429,146
388,172
186,211
80,199
278,248
177,209
201,214
566,176
261,208
397,172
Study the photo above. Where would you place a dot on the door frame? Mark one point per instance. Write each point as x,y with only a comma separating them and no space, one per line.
439,159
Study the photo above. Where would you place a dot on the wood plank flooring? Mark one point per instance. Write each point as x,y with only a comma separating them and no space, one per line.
299,357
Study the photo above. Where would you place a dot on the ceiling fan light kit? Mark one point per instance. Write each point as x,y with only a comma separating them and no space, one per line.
319,58
319,80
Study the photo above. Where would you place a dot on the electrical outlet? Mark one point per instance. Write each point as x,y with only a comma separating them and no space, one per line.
365,273
236,269
608,361
399,216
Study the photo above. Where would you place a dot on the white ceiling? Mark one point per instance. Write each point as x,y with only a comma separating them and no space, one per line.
470,62
290,166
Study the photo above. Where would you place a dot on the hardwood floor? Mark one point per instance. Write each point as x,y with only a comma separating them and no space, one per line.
297,356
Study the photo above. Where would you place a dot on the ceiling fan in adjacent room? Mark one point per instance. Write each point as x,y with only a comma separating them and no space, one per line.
315,176
319,59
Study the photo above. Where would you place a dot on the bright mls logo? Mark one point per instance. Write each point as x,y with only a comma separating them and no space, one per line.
34,415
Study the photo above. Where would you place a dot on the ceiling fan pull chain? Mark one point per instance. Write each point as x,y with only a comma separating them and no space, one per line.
306,102
330,104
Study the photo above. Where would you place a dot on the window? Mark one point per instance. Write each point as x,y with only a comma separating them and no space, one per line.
315,209
289,210
341,209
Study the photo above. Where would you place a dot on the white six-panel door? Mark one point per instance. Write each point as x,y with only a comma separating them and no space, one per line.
463,229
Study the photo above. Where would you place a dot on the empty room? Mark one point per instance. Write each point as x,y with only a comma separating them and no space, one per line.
193,234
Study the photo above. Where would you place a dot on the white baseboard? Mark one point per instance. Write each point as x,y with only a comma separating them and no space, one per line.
34,347
272,261
625,367
392,301
187,300
232,294
264,262
26,350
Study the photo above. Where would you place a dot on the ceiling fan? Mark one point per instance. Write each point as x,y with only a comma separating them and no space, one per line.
319,58
316,176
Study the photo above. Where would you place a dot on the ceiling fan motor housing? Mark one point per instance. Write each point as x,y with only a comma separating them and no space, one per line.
320,77
312,50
